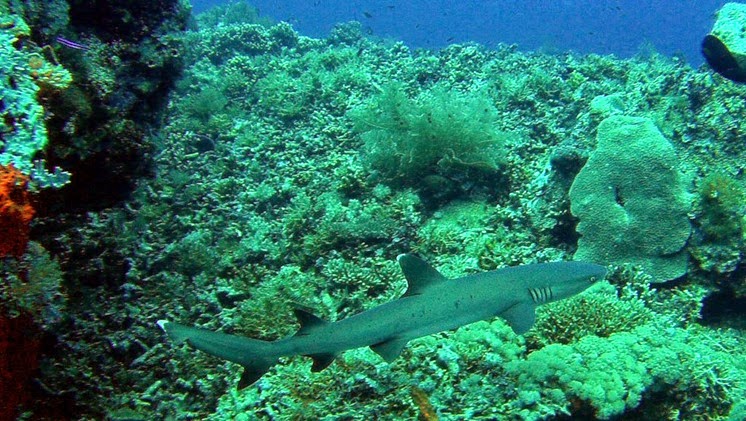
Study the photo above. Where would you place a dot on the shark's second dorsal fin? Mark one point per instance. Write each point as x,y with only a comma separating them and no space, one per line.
419,274
321,361
308,322
389,349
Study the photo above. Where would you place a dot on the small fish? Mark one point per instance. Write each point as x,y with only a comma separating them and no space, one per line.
71,44
367,14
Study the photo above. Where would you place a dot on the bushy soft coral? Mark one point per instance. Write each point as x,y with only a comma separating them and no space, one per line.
721,200
441,132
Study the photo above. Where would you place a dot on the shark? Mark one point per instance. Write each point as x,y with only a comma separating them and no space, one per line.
432,303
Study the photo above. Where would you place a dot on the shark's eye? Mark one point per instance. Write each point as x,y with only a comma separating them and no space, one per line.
593,279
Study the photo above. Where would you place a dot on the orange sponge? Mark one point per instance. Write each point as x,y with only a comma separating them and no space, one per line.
16,211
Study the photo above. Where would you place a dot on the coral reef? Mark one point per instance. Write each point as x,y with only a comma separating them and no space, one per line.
265,194
315,223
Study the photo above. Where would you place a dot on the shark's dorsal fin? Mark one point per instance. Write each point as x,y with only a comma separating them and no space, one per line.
308,322
390,349
419,274
520,317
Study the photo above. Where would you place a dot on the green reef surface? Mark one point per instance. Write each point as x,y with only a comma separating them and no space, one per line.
290,171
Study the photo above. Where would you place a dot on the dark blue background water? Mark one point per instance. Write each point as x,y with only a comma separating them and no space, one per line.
597,26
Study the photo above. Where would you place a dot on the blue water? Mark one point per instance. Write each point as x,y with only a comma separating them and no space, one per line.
585,26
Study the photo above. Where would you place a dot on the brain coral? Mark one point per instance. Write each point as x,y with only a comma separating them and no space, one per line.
631,200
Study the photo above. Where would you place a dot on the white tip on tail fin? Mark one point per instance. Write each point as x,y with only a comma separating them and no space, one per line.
162,324
254,355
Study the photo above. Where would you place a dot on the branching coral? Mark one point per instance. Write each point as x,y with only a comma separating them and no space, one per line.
24,72
599,313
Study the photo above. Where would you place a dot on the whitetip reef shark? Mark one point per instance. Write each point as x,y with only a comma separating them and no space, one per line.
431,304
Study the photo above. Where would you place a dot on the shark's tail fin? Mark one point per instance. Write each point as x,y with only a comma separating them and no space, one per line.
254,355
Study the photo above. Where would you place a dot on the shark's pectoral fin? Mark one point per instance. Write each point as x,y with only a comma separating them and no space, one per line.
252,373
321,361
520,317
390,349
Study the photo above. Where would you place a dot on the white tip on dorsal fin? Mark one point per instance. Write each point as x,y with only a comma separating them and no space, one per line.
308,322
419,274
